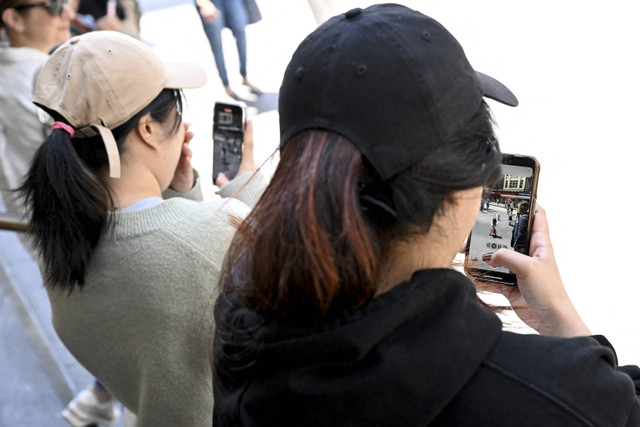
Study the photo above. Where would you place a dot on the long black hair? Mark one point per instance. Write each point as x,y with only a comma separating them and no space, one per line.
67,197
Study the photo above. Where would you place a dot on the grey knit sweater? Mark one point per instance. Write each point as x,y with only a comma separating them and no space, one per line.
143,321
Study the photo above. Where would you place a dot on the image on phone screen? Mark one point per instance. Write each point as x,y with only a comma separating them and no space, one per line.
504,217
228,134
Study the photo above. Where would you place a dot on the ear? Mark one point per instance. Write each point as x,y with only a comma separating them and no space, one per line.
147,131
12,20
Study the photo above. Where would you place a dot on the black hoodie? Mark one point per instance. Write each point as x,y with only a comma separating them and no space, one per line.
424,353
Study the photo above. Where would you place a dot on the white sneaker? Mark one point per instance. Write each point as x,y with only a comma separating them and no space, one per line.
85,410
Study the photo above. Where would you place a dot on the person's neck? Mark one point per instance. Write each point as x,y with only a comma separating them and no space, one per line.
135,183
17,41
416,253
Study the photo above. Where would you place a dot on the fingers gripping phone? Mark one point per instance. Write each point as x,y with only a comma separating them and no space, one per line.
505,218
229,120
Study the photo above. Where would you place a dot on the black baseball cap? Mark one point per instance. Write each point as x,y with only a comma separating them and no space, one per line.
393,81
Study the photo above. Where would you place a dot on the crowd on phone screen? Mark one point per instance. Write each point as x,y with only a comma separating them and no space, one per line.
328,290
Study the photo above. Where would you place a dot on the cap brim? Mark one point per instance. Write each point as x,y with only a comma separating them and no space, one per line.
184,75
495,90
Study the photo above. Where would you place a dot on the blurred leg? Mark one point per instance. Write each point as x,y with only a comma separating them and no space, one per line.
213,31
236,19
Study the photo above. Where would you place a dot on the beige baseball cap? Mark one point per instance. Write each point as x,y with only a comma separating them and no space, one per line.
99,80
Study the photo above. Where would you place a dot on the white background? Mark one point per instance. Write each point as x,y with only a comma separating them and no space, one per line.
574,66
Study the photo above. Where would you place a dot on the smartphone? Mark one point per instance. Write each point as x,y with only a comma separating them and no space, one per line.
229,120
505,218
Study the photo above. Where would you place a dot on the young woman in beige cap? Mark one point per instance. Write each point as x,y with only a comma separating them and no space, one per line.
129,256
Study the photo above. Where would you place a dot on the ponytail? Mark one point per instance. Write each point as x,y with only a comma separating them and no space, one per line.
67,199
67,204
306,248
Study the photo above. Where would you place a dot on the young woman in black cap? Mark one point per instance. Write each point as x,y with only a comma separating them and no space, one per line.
339,306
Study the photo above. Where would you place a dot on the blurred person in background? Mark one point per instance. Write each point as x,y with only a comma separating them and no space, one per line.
30,30
215,16
115,15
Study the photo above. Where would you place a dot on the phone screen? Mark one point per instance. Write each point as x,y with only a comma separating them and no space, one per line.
228,134
505,217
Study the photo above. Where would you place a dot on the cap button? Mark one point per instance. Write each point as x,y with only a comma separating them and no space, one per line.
353,13
74,40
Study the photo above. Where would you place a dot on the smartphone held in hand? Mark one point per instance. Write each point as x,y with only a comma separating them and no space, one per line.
229,120
505,218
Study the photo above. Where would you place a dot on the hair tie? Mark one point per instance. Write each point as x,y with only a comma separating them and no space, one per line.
63,126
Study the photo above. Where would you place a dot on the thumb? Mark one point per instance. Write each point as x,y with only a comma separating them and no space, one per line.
512,260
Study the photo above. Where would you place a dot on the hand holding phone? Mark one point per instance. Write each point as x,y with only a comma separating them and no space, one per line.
229,121
540,299
248,161
505,219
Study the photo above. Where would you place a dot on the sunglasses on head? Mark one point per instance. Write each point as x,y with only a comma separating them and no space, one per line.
54,7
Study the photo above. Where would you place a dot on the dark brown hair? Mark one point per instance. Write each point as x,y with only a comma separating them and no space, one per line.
314,241
306,239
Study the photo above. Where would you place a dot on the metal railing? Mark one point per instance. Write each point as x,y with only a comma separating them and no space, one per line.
13,222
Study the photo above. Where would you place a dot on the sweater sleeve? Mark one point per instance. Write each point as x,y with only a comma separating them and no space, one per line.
247,187
194,194
568,377
632,371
